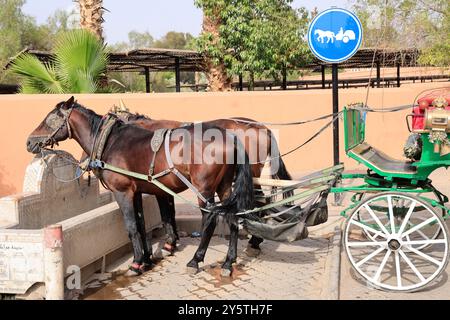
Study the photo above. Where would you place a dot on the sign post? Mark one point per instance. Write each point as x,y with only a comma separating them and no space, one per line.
334,36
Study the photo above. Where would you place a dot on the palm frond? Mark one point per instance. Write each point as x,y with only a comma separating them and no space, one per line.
35,76
79,53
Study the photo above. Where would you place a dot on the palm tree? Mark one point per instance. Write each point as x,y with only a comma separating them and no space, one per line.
91,16
218,79
79,62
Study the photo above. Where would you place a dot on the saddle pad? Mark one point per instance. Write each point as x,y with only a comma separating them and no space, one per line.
158,139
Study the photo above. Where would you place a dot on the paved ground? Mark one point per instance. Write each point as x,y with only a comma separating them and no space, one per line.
299,270
282,271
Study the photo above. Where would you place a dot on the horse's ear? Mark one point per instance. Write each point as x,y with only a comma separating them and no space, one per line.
69,103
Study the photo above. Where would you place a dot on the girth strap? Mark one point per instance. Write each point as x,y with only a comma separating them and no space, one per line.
175,170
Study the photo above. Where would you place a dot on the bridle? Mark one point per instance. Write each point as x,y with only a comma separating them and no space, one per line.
53,121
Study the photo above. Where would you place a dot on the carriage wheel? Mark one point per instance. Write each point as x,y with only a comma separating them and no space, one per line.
402,205
402,254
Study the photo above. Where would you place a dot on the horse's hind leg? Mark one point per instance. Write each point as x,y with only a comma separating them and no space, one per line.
172,216
253,248
209,221
140,221
227,267
125,201
167,209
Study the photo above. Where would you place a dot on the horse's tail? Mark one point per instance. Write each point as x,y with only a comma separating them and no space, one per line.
277,166
242,196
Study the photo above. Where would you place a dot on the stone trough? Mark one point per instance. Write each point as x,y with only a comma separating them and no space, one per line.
56,234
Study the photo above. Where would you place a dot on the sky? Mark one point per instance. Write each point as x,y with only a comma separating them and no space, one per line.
155,16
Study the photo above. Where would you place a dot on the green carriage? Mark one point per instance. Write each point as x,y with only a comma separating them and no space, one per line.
395,235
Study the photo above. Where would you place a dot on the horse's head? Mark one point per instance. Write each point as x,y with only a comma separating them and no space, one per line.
54,128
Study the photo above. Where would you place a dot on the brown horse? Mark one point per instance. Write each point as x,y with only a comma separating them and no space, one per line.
129,147
253,136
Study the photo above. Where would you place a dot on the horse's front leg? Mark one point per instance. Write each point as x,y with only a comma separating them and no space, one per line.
209,221
125,201
140,222
167,210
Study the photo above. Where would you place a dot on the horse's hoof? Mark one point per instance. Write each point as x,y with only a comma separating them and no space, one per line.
136,269
225,273
168,250
252,252
192,271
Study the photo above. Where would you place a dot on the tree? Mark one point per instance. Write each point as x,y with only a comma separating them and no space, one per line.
91,16
11,21
19,31
174,40
422,24
251,36
79,62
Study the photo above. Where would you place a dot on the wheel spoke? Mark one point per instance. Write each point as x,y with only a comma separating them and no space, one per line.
383,263
365,227
391,215
374,216
365,243
398,270
412,266
420,225
424,255
408,215
429,241
421,233
370,256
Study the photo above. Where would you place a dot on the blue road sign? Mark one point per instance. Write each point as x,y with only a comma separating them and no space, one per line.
335,35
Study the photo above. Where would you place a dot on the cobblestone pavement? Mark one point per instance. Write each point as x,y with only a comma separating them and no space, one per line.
282,271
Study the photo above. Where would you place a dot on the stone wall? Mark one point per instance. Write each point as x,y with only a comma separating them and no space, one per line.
91,221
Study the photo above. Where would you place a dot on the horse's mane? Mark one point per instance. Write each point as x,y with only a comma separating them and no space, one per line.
94,119
137,116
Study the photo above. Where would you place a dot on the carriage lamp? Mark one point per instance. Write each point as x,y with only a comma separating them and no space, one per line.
437,122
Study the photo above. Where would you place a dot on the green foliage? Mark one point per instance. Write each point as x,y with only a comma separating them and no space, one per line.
174,40
80,59
255,36
423,24
18,31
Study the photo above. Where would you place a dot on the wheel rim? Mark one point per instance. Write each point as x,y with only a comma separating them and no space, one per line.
401,254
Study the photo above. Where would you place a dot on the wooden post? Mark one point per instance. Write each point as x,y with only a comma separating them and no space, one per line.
322,68
398,74
241,85
53,263
147,79
284,72
177,75
378,74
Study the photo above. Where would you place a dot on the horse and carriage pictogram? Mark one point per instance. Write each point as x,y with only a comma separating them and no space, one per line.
344,36
395,235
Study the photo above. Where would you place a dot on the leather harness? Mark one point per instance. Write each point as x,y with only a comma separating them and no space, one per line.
160,136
